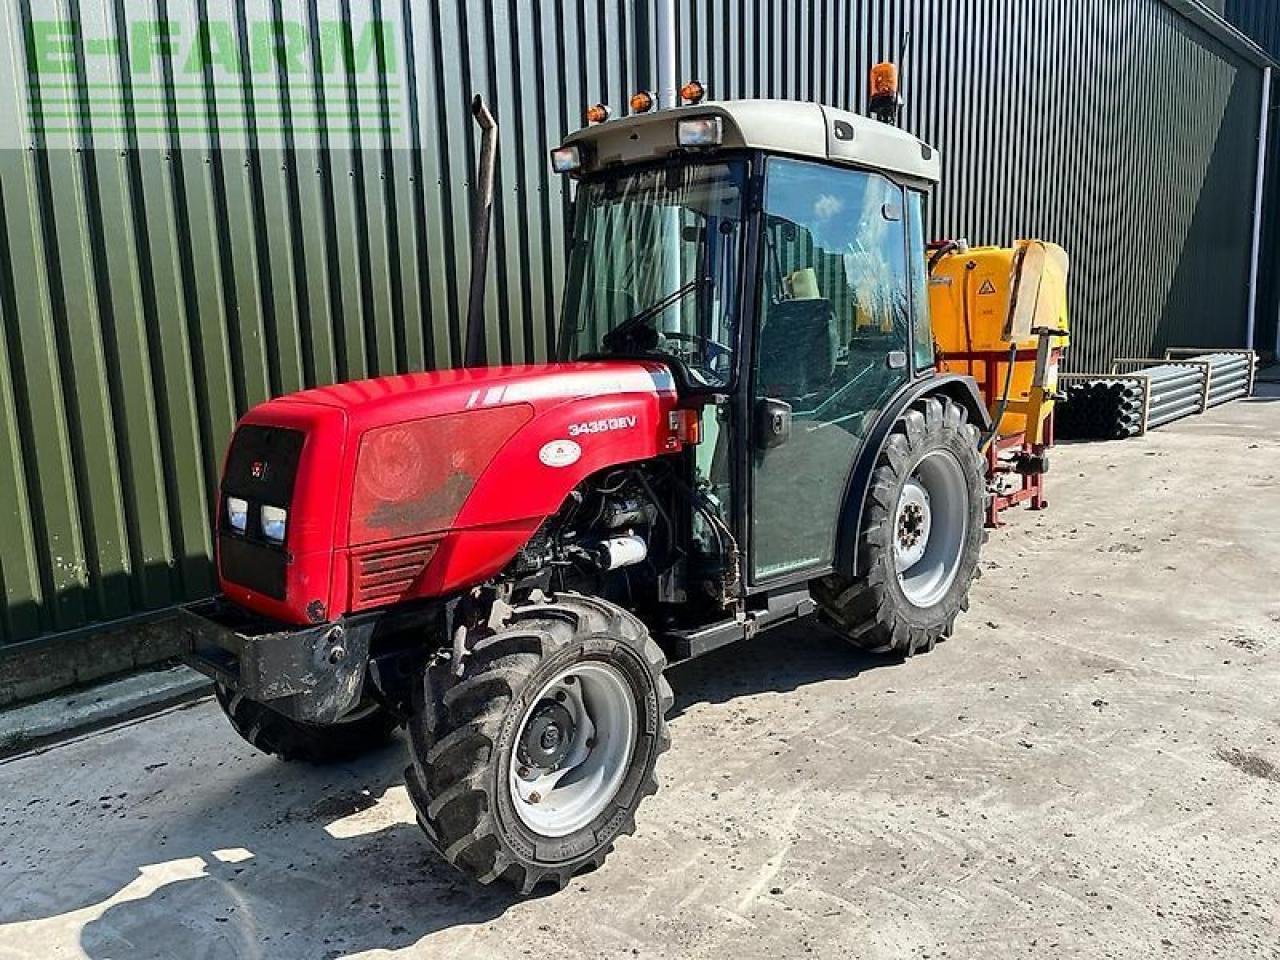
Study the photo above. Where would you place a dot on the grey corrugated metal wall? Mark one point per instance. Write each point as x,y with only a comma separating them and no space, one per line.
207,202
1260,20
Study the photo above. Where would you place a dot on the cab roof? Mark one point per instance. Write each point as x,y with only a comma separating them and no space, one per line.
778,126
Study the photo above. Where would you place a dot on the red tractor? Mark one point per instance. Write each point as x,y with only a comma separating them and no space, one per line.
745,424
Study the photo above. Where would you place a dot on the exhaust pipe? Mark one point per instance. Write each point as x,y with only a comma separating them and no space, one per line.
481,218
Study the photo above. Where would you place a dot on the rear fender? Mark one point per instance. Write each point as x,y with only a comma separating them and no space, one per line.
955,387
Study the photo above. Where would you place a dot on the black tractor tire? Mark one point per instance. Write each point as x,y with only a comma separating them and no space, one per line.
274,733
464,729
871,610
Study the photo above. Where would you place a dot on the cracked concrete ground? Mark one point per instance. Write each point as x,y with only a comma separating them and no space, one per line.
1090,768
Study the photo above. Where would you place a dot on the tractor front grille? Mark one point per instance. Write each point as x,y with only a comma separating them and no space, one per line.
261,469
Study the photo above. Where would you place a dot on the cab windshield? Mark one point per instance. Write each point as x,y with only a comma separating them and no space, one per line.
655,267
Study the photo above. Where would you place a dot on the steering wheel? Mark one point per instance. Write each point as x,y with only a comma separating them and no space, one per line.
714,349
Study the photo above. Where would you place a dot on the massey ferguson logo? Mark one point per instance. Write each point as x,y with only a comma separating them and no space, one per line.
258,470
560,453
601,426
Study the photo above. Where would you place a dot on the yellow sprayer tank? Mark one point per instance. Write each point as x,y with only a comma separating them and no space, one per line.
969,300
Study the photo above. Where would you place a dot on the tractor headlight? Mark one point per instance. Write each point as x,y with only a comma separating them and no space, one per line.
238,514
273,523
699,132
565,159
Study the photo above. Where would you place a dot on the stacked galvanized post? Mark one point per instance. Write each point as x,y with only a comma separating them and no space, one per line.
1175,390
1230,377
1128,403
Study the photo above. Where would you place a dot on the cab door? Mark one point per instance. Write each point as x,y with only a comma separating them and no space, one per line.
832,345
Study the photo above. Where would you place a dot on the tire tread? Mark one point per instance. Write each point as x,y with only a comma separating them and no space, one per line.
456,727
863,609
291,740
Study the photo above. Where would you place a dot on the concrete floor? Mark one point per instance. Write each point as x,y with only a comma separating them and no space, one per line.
1089,768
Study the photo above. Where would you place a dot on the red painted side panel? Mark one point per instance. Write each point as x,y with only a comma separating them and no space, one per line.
554,425
413,477
579,438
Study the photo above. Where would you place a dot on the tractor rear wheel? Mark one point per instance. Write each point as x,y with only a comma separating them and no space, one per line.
367,729
920,537
530,764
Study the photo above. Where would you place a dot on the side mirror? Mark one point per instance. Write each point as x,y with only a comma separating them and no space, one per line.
773,423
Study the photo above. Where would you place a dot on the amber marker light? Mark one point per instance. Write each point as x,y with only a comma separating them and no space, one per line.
885,101
693,92
884,80
641,101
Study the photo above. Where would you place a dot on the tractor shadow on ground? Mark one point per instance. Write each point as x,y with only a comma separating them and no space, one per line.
280,860
775,661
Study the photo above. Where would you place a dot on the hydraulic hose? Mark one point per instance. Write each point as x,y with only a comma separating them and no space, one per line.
968,329
1004,401
941,251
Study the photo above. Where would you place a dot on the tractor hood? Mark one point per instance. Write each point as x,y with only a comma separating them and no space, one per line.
358,495
416,395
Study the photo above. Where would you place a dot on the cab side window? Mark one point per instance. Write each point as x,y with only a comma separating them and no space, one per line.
917,262
836,295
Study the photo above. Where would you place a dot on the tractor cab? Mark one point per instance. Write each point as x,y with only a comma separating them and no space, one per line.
772,254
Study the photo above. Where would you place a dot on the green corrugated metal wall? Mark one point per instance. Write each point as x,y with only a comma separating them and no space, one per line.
189,225
204,203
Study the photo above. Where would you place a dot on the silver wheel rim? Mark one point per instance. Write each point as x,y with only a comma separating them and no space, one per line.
930,526
570,791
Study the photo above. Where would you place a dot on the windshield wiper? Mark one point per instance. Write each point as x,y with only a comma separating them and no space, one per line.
617,337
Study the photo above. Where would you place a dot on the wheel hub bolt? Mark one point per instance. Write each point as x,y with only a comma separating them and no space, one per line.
911,525
561,696
535,797
551,737
524,773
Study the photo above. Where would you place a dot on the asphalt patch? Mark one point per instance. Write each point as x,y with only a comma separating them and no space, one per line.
1251,763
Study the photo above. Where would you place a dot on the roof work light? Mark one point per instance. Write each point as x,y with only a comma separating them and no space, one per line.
566,159
699,132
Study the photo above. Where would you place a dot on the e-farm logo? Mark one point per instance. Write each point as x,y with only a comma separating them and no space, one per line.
218,72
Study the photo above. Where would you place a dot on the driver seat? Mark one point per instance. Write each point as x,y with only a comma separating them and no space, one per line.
798,347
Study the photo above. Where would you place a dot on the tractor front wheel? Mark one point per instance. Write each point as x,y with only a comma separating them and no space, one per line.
921,533
529,765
